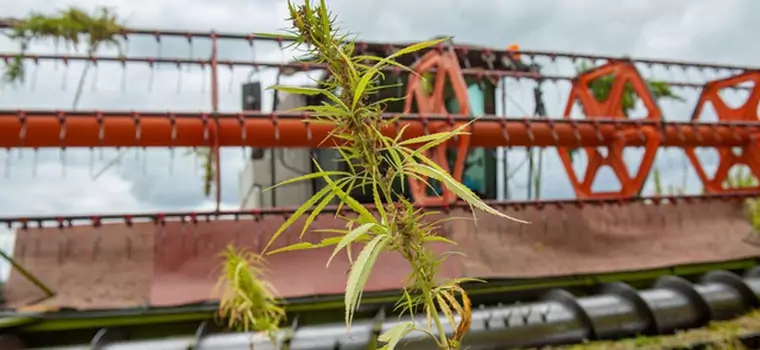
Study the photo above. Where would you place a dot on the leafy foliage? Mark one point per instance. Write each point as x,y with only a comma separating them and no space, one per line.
247,301
718,334
658,188
374,160
742,179
70,26
206,155
601,88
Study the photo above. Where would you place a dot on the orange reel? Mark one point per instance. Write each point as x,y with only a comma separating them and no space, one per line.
446,65
631,184
750,154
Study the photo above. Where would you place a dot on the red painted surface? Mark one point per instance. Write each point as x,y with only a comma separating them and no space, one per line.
148,265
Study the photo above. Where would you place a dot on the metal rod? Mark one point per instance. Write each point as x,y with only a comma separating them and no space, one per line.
291,68
9,23
39,129
28,275
133,218
215,152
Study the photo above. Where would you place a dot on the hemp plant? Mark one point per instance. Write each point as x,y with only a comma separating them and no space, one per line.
743,178
68,26
373,161
247,301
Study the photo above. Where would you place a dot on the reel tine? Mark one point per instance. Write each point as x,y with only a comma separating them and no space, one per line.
194,219
22,247
128,244
145,162
203,78
63,243
123,77
94,81
191,49
64,83
151,77
33,81
238,230
96,244
259,232
7,170
131,233
160,222
179,78
183,232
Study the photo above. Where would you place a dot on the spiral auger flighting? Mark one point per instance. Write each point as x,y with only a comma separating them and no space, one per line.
615,312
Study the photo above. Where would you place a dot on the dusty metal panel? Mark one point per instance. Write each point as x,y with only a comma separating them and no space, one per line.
174,264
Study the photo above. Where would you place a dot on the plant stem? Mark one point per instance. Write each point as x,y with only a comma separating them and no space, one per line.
444,343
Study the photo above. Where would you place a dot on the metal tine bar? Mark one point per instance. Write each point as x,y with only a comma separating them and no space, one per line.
363,45
303,67
25,223
34,129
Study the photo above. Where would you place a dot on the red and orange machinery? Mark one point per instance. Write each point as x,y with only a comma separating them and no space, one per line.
605,126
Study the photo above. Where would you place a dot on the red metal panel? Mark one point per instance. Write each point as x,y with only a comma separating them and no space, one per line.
174,264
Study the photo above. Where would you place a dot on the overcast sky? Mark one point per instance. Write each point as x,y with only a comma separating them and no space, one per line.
695,30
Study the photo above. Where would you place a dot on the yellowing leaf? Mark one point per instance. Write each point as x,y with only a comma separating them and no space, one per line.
410,49
309,176
460,190
442,138
392,336
359,274
298,90
439,239
362,85
299,212
318,209
347,199
350,238
307,245
437,137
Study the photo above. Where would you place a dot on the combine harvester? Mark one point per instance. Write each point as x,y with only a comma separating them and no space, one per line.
581,268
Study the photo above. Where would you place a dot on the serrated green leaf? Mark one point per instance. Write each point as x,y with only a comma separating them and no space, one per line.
325,111
359,274
307,245
347,199
297,214
298,90
438,137
392,336
379,203
410,49
350,65
438,141
349,238
384,61
309,176
276,36
400,133
324,202
362,85
460,190
439,239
